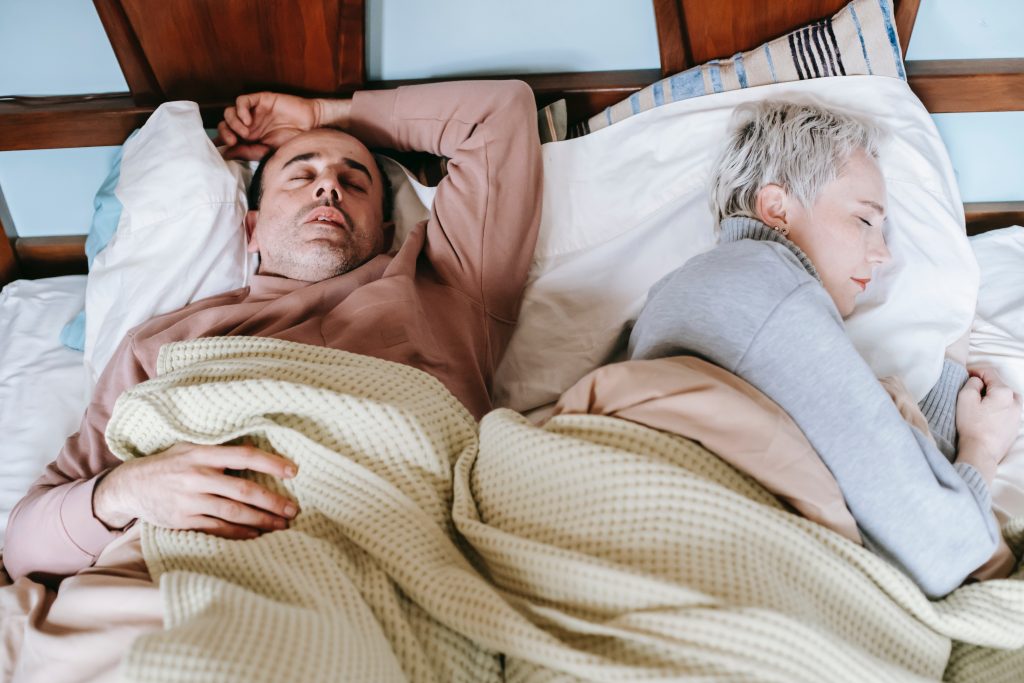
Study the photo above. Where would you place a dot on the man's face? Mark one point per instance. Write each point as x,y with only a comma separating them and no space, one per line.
321,214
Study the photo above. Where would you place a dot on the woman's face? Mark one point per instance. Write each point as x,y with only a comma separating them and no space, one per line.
841,233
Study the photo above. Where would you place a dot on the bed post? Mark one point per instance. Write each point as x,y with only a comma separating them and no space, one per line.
906,16
8,262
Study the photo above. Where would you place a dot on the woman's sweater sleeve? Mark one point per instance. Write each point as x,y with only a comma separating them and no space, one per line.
939,406
785,337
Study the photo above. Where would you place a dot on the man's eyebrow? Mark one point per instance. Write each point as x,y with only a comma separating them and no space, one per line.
301,157
351,163
874,205
356,166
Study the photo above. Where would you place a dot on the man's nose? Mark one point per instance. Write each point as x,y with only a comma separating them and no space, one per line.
328,188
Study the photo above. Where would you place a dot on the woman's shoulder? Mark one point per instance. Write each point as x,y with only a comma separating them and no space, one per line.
735,267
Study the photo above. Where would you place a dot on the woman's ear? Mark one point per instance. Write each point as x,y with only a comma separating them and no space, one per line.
772,203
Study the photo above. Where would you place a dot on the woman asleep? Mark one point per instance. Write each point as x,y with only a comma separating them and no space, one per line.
800,202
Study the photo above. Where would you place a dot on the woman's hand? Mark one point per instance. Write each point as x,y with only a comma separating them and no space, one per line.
263,121
186,487
988,415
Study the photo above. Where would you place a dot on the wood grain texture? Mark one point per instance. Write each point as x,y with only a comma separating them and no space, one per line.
137,71
51,256
984,216
691,32
350,58
721,29
968,85
673,40
214,50
8,262
906,17
108,121
78,123
73,124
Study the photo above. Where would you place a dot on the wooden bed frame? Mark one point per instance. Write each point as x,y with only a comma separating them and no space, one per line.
221,62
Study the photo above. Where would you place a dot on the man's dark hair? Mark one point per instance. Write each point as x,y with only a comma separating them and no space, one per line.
255,194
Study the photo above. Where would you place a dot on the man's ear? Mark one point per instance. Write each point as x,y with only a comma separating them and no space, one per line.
250,231
772,202
389,236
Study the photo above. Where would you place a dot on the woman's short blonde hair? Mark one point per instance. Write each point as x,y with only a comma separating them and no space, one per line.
800,147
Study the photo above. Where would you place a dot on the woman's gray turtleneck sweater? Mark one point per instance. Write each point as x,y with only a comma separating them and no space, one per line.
755,306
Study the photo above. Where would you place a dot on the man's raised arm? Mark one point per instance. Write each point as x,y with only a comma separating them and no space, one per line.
483,228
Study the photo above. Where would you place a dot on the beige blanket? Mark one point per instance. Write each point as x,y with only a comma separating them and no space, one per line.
698,400
597,549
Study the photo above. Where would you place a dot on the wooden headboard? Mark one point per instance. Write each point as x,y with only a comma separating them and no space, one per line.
193,49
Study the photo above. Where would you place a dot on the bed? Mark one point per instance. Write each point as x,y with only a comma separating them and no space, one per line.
598,113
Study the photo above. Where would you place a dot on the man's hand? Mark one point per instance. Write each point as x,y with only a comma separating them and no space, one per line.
988,415
263,121
186,487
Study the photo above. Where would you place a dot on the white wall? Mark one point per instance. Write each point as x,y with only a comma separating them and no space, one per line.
53,47
417,39
987,149
968,29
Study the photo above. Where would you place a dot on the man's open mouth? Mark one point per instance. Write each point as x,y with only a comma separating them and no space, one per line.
328,216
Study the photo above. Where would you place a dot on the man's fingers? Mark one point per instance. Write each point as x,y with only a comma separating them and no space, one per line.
218,527
252,494
231,117
247,458
233,512
245,103
226,135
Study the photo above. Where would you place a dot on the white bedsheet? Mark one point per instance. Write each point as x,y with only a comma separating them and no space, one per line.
42,383
997,341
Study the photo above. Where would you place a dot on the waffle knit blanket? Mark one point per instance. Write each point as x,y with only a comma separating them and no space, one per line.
429,549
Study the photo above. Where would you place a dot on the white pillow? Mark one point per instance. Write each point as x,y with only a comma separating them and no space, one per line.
997,341
181,236
42,382
627,204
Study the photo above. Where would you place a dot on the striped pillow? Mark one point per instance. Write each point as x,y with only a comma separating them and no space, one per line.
858,40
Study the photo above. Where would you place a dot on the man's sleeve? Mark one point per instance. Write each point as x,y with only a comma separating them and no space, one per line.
483,227
52,532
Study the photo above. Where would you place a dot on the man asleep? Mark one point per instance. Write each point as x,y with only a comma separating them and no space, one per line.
446,302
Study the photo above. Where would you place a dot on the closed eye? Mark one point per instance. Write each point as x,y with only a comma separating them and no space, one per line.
353,183
865,222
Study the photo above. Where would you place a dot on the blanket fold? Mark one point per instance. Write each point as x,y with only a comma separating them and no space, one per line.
593,548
